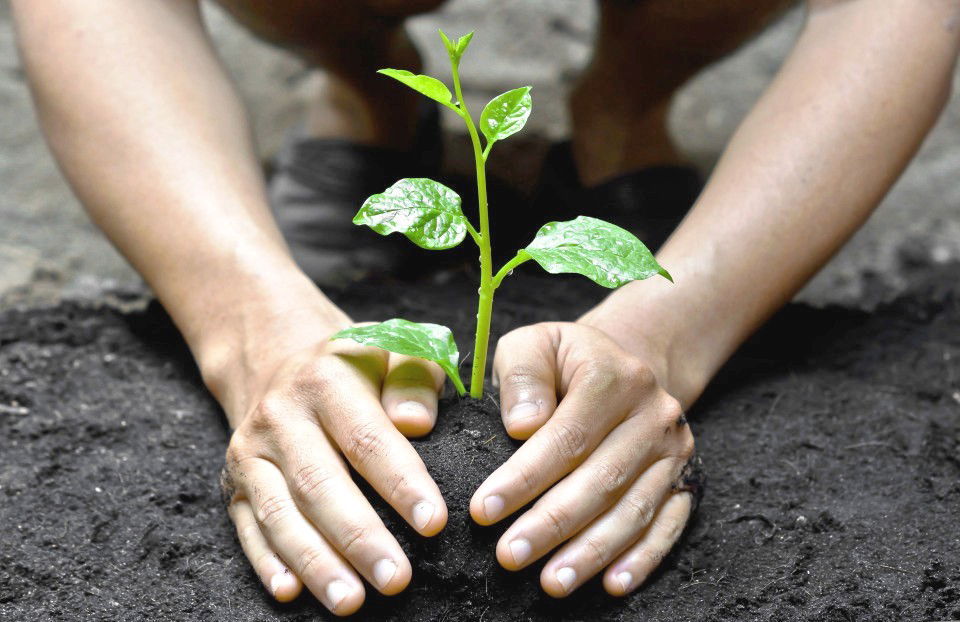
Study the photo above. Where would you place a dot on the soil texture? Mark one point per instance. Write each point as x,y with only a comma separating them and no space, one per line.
831,443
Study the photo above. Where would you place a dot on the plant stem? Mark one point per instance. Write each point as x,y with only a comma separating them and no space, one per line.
485,305
508,267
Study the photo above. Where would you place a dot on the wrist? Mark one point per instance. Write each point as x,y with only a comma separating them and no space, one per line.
252,320
645,319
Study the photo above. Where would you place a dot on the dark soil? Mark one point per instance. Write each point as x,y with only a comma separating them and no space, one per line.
832,444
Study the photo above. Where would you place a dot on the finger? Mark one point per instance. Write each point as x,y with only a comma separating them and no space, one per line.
592,549
524,367
580,497
355,421
552,452
282,583
302,549
323,490
633,567
409,394
597,399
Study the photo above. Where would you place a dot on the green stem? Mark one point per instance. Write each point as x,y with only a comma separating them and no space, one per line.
508,267
485,305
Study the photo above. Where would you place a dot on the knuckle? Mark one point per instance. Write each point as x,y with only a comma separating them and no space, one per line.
314,380
635,373
600,374
273,509
569,440
671,410
311,561
598,550
353,536
312,481
413,373
651,556
364,443
268,416
528,477
399,484
557,520
520,377
609,477
239,449
639,506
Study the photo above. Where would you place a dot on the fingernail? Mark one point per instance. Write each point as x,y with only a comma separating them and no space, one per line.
422,513
414,410
383,572
626,580
280,581
566,576
523,410
337,591
493,507
520,549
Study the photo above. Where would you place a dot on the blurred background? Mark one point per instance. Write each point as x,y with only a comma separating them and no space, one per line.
48,248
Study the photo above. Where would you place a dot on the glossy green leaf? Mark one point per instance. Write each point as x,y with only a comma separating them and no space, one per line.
431,87
425,211
456,50
432,342
506,114
603,252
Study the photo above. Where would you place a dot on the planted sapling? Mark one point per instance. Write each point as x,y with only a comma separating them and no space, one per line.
430,215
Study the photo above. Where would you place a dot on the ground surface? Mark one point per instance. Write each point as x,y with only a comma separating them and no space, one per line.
832,446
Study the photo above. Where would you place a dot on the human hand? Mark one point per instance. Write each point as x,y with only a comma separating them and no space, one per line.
611,454
304,408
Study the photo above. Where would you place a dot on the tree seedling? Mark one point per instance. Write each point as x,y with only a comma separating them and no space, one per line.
430,215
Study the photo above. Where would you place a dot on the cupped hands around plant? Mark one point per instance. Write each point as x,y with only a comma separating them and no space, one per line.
430,215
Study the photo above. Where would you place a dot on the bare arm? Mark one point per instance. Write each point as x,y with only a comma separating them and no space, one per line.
152,137
155,143
848,110
863,86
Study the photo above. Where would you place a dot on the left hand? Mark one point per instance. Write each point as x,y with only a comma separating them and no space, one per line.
611,454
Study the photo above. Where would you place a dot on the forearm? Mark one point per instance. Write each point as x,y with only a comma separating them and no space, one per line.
864,84
151,135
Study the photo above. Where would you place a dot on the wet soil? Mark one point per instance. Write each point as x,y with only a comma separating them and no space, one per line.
832,443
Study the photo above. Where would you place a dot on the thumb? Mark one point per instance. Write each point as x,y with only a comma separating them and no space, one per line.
525,367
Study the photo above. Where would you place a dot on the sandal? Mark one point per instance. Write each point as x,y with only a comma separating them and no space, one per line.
317,187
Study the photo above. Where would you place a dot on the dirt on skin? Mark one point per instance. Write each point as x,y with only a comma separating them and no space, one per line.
831,442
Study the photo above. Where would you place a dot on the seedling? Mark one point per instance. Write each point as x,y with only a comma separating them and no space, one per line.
429,214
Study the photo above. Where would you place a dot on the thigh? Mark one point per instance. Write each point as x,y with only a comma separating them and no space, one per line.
307,23
698,29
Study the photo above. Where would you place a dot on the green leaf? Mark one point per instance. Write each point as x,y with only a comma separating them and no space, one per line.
506,114
602,252
425,211
432,342
463,42
431,87
456,50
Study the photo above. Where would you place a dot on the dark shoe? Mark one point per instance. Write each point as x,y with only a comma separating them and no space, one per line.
649,202
319,184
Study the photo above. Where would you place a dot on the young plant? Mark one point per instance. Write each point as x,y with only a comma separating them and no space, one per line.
429,214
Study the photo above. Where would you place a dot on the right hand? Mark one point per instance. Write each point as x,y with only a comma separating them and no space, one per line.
305,409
